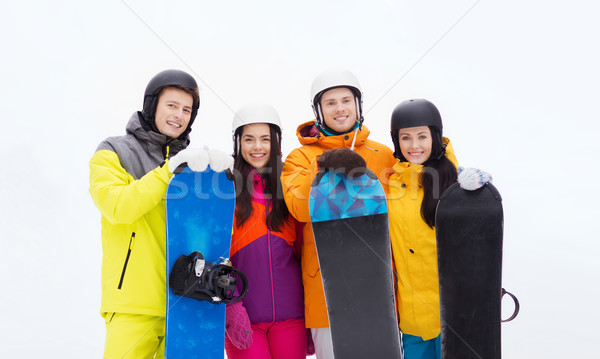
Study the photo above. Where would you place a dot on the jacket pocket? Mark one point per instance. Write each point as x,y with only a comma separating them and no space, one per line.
108,317
126,260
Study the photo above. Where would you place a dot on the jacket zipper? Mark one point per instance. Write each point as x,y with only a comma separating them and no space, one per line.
126,260
269,250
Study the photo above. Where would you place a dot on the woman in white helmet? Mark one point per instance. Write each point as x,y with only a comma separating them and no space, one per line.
337,103
269,321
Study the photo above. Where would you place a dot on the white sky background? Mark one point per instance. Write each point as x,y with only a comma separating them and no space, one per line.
516,83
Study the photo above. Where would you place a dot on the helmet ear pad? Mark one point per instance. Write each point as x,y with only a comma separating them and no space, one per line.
396,142
149,111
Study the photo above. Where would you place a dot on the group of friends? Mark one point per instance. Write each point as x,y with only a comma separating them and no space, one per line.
283,314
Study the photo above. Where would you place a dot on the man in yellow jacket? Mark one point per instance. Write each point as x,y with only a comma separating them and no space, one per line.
129,176
337,103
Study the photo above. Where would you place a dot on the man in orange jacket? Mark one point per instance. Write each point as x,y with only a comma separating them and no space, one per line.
337,104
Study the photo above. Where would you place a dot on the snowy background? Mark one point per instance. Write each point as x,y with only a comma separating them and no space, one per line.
516,83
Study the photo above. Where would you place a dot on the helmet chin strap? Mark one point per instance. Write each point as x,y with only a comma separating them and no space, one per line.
359,115
354,139
359,119
319,113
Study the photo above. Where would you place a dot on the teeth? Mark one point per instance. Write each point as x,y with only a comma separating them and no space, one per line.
261,155
174,124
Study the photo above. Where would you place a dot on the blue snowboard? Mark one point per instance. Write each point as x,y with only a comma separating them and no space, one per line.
200,209
350,225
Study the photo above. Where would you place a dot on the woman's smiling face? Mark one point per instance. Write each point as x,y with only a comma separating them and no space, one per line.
415,144
256,144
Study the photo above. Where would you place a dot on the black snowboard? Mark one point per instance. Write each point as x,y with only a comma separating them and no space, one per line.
469,228
350,225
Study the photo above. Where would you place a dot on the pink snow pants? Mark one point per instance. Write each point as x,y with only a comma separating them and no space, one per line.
280,340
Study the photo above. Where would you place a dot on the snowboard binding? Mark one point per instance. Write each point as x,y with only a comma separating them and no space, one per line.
193,277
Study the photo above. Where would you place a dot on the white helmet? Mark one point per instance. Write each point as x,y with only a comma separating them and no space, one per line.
255,113
331,79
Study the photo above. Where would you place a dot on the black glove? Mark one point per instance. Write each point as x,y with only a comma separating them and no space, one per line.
342,160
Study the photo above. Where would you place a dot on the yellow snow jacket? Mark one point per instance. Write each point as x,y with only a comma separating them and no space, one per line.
415,252
128,186
299,170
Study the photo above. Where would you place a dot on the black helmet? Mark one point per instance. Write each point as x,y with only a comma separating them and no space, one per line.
415,113
157,83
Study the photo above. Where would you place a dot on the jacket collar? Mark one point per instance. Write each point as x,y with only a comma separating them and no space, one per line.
152,138
258,193
308,133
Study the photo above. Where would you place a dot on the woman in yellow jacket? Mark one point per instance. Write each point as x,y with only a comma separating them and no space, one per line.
426,167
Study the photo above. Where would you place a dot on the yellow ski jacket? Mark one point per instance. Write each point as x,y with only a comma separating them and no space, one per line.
128,185
415,252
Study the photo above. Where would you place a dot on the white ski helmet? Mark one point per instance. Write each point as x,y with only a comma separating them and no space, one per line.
255,113
330,79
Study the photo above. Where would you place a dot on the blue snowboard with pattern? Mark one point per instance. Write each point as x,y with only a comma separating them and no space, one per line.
200,209
350,225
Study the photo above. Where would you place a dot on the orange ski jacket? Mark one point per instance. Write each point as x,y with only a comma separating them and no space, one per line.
299,170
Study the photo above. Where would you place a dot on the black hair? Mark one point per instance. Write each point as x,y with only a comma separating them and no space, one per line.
244,182
438,174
